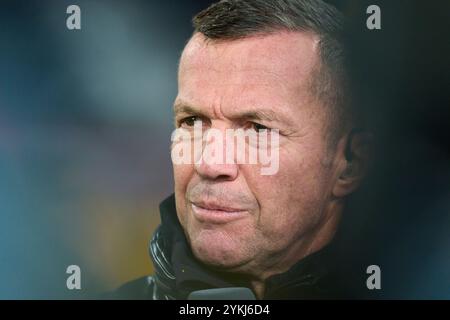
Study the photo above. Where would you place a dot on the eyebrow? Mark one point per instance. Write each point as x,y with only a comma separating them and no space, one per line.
261,114
185,108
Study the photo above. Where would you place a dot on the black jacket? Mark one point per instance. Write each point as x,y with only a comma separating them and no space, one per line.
178,272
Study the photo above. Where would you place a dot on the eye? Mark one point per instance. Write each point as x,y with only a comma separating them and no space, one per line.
259,127
188,121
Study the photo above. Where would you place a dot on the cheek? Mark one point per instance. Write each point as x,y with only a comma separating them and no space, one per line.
182,177
292,199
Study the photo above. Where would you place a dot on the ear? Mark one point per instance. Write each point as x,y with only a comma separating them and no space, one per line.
354,162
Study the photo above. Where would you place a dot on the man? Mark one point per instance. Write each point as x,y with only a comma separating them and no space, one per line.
260,65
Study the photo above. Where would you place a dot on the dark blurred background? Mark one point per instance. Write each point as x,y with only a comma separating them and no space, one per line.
85,124
400,219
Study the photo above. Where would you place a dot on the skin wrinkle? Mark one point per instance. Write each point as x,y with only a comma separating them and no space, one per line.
183,109
290,214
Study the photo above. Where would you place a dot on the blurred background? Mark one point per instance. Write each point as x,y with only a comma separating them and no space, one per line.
85,124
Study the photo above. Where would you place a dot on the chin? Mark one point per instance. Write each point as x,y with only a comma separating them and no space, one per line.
217,249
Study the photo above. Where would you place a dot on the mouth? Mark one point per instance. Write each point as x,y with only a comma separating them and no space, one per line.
215,213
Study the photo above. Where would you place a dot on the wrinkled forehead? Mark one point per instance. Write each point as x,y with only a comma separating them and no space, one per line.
283,56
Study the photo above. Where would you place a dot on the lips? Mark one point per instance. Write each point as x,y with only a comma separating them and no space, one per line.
211,212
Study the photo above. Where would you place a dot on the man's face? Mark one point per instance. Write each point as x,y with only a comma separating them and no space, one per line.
234,217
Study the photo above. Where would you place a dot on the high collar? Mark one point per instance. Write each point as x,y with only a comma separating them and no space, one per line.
178,272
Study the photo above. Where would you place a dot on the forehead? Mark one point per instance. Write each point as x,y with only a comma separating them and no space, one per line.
286,52
275,68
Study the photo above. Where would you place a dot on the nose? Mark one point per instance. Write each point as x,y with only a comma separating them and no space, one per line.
223,172
214,163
